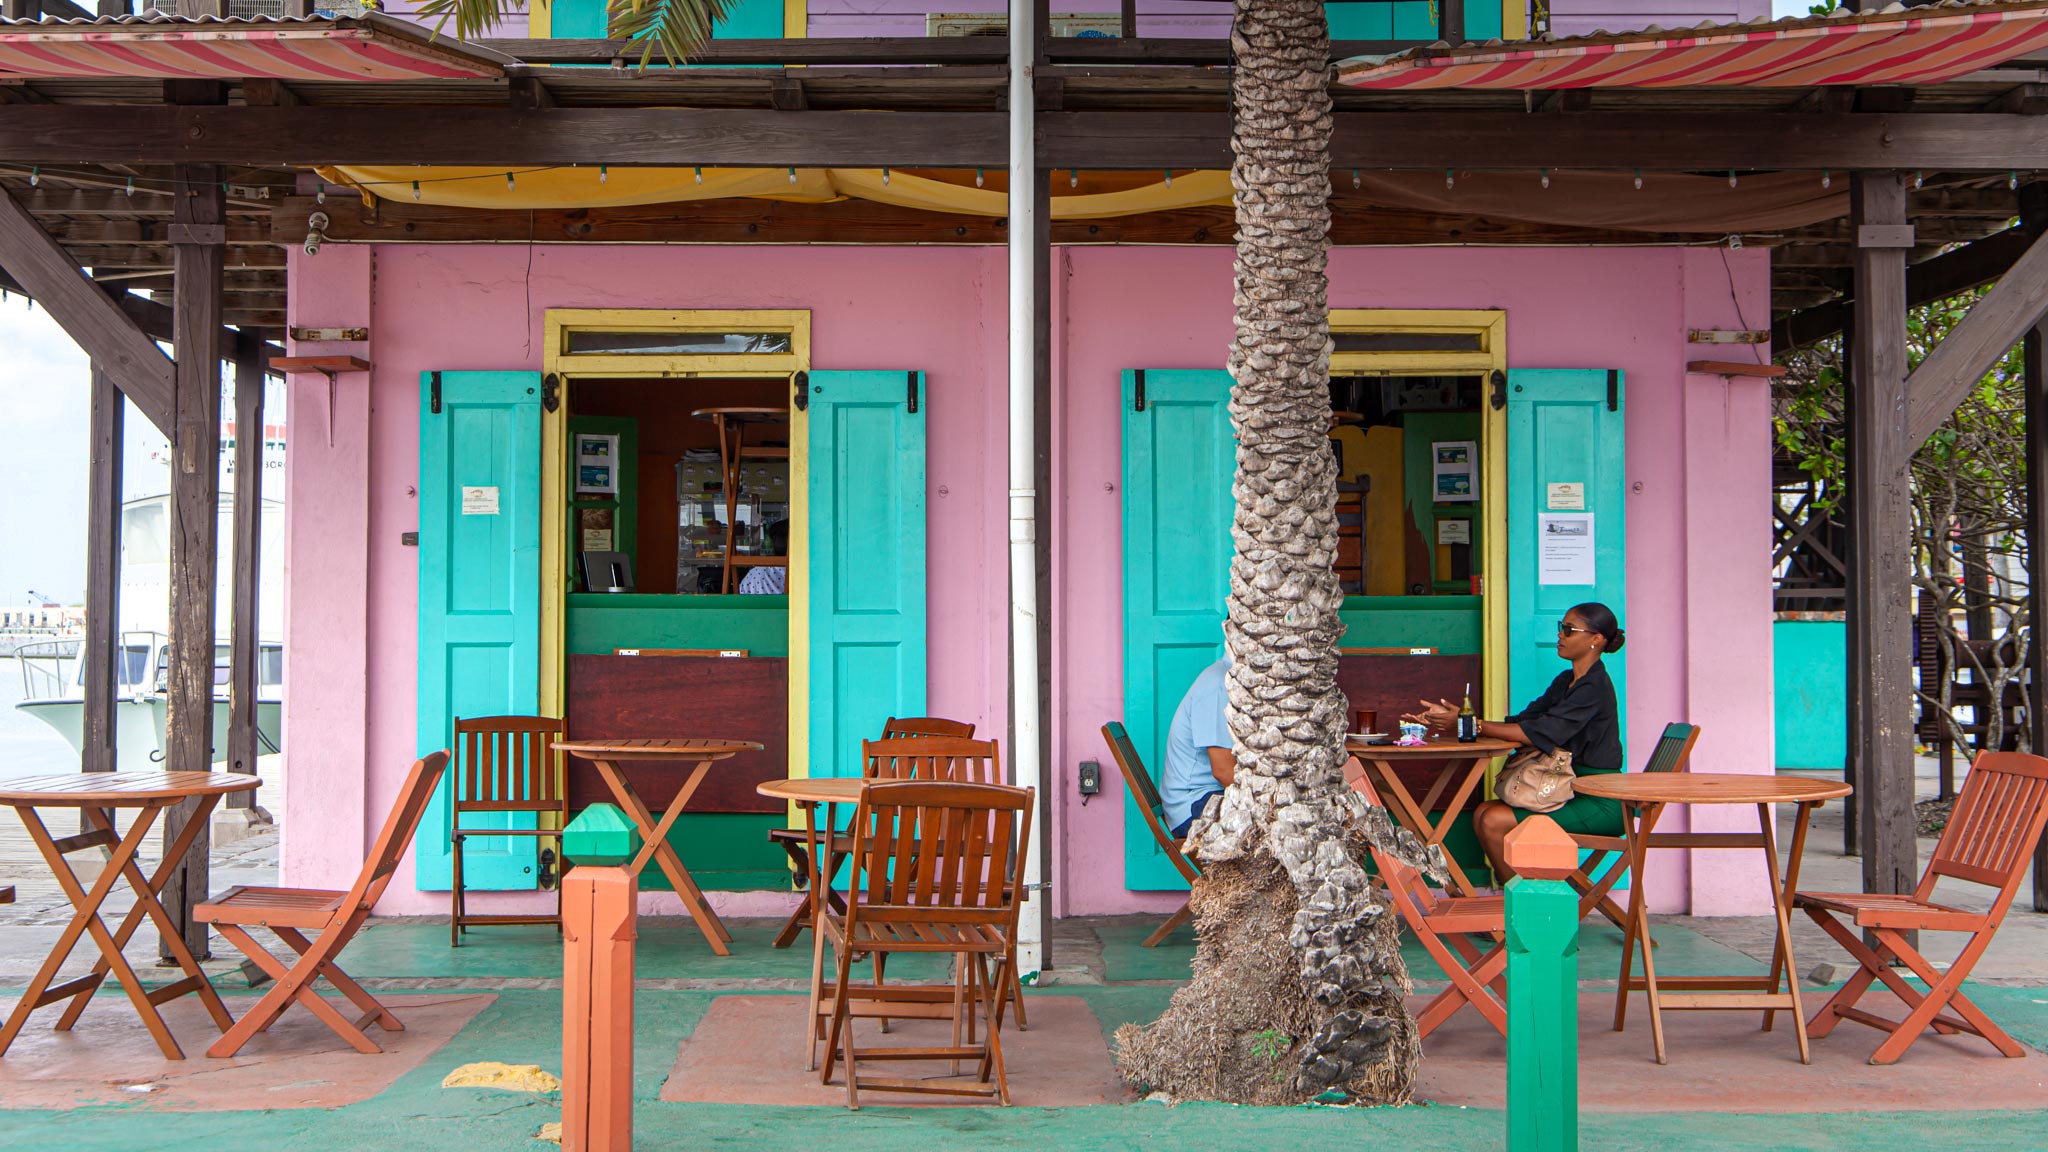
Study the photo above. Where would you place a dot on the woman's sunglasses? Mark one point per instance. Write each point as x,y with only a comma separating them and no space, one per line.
1564,629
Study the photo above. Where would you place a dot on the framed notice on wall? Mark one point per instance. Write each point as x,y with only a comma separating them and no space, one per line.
1456,471
597,465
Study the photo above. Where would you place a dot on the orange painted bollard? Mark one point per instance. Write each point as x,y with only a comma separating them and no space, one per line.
599,925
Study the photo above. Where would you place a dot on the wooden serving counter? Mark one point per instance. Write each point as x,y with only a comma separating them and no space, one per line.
738,698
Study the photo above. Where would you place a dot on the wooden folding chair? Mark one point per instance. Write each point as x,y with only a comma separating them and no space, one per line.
796,844
1146,793
506,764
1989,840
1443,924
937,868
1672,754
333,919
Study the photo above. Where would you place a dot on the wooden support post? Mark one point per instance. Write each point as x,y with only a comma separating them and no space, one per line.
1543,971
1852,713
1880,526
103,577
599,927
1128,27
2034,217
1453,21
197,304
243,636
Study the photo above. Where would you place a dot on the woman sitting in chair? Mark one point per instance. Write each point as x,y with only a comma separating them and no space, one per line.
1576,713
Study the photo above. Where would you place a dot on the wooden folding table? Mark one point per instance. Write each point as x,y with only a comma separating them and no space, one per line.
1643,797
608,754
1464,766
97,795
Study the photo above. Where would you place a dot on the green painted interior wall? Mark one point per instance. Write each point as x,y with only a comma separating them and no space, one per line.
1450,624
625,505
1420,430
1809,664
600,622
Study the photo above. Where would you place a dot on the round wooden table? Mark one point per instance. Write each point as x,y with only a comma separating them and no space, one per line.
1464,764
808,794
1643,797
608,755
97,795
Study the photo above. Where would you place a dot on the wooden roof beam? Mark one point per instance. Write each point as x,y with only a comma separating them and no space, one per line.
1943,276
1985,334
117,345
677,137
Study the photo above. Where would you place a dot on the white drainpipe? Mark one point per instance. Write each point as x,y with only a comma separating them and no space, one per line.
1023,493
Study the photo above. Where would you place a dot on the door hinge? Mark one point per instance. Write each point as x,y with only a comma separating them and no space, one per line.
801,381
551,391
1613,390
913,393
1138,401
434,394
1499,380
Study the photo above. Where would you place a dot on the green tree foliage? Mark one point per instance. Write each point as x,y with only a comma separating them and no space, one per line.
677,28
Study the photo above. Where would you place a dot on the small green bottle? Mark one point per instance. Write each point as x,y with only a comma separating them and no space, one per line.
1468,720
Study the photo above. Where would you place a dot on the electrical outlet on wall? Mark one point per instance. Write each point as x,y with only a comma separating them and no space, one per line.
1090,779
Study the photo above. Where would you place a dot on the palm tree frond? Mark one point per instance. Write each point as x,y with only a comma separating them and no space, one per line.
676,27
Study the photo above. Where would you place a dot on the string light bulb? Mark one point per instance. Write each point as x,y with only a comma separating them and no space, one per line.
604,174
1073,177
1355,181
1546,176
415,189
792,175
1639,179
131,186
1731,177
1826,178
1169,177
980,175
508,182
1450,179
35,177
1918,178
885,177
2012,181
700,174
320,196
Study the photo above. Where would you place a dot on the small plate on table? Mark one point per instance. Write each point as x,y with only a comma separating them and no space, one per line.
1370,737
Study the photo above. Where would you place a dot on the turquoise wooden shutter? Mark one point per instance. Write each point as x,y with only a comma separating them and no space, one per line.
1565,427
1179,455
479,594
867,560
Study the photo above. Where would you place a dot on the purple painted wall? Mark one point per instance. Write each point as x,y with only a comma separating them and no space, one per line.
1579,17
1699,468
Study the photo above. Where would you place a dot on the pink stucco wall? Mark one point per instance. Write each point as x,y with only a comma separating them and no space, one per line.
1698,469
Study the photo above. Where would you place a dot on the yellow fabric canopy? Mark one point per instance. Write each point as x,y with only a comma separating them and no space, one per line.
1098,196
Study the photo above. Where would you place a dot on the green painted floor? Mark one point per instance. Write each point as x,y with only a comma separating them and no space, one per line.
669,948
523,1026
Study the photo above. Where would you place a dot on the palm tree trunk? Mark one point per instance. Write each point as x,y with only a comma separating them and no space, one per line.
1298,977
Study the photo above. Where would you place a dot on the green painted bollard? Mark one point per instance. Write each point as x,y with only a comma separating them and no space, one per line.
1543,989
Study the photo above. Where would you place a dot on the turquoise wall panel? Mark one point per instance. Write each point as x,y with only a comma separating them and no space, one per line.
1179,455
1564,426
1809,662
867,561
479,594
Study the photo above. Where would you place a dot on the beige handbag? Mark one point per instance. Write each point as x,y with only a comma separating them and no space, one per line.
1536,781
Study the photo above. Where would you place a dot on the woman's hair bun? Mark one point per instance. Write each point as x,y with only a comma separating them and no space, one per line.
1615,642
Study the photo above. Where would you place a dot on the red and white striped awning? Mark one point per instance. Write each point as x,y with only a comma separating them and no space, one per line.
1897,46
361,48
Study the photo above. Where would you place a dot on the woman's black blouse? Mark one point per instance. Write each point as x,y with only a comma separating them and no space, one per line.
1580,718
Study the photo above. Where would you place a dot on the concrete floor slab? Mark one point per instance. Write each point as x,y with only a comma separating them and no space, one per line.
749,1050
109,1058
1722,1062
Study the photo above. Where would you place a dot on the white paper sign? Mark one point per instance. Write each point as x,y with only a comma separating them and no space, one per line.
1566,497
479,501
1454,531
1564,548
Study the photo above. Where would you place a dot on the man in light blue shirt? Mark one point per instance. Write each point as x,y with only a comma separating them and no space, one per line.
1199,762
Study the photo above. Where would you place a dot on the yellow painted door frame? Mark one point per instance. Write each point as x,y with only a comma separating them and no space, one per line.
1489,327
563,368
